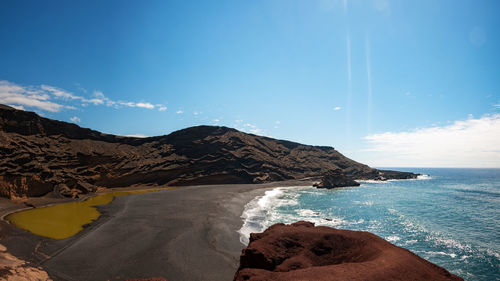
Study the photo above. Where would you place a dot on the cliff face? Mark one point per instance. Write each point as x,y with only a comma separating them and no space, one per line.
38,155
301,251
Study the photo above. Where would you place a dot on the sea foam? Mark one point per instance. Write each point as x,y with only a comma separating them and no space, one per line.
258,213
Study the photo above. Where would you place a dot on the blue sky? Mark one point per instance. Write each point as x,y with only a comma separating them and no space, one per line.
379,80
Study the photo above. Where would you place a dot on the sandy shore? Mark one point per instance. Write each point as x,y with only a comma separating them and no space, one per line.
183,234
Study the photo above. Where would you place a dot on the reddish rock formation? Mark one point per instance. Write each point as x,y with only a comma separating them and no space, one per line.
301,251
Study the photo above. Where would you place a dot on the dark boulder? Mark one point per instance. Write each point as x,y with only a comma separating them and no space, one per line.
336,178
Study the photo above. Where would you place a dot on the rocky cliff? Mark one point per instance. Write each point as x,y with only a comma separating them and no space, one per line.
301,251
40,155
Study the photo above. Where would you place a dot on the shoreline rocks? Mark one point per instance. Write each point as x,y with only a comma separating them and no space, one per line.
335,178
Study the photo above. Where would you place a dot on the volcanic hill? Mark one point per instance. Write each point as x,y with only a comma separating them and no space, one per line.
39,155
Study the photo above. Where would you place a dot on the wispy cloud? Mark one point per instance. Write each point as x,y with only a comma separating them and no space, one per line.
21,97
253,129
145,105
75,119
337,108
179,112
466,143
54,99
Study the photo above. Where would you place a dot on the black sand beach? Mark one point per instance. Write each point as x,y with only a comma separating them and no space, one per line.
185,234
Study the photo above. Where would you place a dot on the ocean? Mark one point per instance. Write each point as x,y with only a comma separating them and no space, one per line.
450,217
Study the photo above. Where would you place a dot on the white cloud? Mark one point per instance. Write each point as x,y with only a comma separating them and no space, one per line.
467,143
53,99
129,104
145,105
137,136
15,95
179,112
277,122
216,120
59,92
19,107
250,128
75,119
497,105
101,99
195,113
337,108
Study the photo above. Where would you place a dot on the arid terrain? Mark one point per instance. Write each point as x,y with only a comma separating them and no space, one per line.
40,156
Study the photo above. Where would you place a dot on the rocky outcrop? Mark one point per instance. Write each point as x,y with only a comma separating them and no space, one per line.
395,175
14,269
39,155
336,178
301,251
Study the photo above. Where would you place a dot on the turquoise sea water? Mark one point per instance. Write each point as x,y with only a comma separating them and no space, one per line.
450,217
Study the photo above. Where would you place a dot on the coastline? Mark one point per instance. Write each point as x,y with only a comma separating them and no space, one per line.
188,233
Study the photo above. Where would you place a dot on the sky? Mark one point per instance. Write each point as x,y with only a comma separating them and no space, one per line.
387,83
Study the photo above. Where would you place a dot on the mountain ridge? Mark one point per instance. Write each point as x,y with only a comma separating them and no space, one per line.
41,155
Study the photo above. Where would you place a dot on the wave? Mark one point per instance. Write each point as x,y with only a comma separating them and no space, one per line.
263,211
393,238
258,213
424,177
438,253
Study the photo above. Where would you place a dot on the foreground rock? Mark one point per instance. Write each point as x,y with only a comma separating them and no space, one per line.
301,251
148,279
40,156
334,179
14,269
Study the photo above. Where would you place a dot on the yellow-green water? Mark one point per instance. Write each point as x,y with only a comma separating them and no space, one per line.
67,219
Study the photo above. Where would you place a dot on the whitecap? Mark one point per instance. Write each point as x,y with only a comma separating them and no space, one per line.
261,212
307,213
424,177
436,253
368,203
493,253
448,242
393,238
255,213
